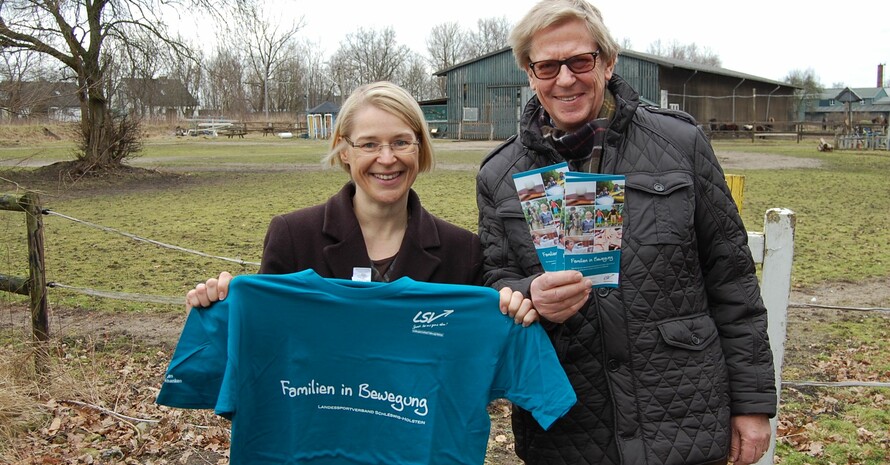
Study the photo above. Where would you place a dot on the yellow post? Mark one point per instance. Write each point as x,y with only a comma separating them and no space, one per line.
736,185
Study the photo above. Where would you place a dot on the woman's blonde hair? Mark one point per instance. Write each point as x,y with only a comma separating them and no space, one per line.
546,13
392,99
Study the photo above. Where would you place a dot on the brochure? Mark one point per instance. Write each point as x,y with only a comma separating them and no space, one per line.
575,219
594,219
541,197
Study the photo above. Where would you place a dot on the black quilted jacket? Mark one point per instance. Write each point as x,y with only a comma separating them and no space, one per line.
660,363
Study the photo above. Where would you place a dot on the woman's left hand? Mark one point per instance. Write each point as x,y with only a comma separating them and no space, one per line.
517,307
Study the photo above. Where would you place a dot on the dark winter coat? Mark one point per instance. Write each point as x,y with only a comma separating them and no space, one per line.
328,239
660,363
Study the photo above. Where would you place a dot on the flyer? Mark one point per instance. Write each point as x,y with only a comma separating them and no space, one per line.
593,226
576,220
541,198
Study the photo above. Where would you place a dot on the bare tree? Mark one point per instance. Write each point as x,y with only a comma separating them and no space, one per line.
287,82
16,70
447,47
320,81
625,44
687,52
367,55
77,33
187,68
223,91
264,41
416,78
808,89
490,35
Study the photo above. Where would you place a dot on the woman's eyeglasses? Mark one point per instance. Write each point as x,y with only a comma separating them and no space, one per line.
397,146
549,69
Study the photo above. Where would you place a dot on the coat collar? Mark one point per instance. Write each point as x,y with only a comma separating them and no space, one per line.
348,250
626,102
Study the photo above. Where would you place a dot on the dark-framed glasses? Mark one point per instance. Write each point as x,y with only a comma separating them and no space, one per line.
549,69
399,146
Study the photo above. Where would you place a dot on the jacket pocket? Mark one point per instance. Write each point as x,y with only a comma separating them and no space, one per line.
689,332
660,207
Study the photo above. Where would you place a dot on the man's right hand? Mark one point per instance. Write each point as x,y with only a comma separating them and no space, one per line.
205,294
558,295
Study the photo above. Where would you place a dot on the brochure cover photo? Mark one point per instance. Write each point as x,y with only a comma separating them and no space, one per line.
594,209
541,197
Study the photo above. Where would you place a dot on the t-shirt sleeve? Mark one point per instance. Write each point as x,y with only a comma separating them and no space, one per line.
225,403
529,375
195,372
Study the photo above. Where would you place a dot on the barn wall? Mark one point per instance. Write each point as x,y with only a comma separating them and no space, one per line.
708,96
640,74
490,88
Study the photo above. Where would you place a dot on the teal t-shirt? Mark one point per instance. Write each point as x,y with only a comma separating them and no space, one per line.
327,371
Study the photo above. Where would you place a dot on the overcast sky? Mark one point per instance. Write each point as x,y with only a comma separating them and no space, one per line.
766,38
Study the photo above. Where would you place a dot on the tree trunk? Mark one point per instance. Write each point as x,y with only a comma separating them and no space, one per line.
98,132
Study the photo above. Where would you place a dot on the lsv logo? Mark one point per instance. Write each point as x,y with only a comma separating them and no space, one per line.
429,317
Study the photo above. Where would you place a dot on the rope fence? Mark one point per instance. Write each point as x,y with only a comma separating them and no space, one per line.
150,241
179,300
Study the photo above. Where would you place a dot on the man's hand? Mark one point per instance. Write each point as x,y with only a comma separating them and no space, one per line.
558,295
750,438
205,294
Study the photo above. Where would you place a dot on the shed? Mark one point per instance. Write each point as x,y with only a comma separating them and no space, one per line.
435,112
320,120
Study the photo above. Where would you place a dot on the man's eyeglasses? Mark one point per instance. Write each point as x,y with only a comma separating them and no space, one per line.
549,69
397,146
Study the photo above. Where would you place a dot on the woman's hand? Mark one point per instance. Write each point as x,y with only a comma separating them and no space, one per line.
517,307
205,294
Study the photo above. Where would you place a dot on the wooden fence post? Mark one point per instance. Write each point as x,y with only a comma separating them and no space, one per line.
36,281
774,249
37,278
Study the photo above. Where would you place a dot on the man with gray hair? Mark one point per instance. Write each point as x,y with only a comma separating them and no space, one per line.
674,365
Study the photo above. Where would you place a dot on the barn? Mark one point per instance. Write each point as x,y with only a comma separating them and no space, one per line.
486,94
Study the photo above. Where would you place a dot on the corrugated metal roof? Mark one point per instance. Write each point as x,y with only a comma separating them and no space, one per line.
863,92
674,63
662,61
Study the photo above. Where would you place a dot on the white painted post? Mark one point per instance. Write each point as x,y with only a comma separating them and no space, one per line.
774,248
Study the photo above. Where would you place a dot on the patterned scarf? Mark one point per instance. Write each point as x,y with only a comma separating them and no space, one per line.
583,148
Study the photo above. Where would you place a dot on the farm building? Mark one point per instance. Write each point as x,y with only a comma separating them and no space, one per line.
163,98
486,94
850,107
55,101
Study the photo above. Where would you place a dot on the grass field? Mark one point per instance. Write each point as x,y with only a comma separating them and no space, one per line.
217,197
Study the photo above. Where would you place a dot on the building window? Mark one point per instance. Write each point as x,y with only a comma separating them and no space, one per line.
471,114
